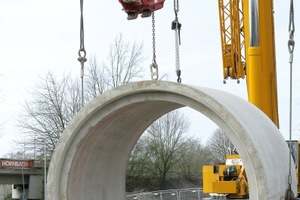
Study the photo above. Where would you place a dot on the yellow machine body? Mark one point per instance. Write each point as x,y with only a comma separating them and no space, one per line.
229,179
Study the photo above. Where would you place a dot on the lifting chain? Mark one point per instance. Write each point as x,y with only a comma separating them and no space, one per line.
82,53
176,26
291,46
153,66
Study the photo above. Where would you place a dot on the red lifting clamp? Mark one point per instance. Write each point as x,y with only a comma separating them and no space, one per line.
144,7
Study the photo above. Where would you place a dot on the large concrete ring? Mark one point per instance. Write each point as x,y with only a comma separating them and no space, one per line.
91,157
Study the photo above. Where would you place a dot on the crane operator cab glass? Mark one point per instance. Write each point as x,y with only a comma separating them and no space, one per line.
144,7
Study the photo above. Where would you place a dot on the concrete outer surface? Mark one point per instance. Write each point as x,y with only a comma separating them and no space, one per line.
91,157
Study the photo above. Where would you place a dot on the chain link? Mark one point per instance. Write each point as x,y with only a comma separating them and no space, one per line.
153,66
153,37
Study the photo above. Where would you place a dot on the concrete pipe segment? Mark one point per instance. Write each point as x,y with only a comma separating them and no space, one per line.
91,157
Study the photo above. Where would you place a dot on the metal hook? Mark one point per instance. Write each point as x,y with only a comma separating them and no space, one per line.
154,70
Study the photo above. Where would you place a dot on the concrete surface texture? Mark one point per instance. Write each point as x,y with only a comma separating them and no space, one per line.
91,157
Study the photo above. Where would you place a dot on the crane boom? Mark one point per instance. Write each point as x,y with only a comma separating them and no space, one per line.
232,38
261,58
248,48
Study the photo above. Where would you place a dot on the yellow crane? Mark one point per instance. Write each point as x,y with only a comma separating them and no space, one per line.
248,51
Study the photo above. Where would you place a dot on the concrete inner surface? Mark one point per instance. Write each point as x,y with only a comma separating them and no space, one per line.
91,157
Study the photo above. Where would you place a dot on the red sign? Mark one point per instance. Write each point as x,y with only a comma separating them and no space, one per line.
16,164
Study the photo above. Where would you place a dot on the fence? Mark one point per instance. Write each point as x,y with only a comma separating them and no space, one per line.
179,194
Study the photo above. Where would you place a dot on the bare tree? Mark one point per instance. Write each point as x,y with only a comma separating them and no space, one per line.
139,156
157,152
124,62
164,140
219,145
192,157
53,105
96,81
16,155
123,65
55,101
138,175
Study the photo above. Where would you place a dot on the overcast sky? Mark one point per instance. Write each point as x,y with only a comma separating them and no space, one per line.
41,36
